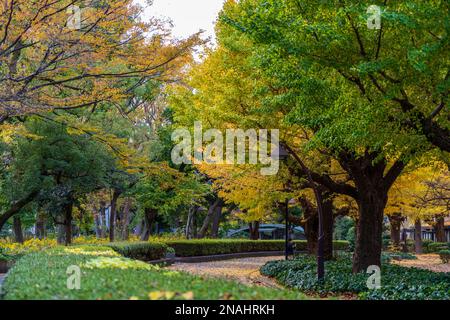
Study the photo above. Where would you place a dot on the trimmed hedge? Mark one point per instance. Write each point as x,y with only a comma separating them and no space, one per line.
145,251
397,282
435,247
445,256
192,248
105,275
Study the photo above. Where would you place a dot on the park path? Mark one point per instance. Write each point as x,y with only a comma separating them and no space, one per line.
2,277
430,262
243,270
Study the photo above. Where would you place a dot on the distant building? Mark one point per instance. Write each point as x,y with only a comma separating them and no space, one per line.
428,232
269,232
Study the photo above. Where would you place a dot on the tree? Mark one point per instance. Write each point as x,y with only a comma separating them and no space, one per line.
63,166
48,62
359,91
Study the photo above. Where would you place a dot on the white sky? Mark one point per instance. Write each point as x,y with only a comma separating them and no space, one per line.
188,16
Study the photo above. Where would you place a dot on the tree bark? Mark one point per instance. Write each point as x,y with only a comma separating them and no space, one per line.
112,214
102,219
328,224
149,218
439,229
126,219
369,230
68,224
18,232
395,221
216,221
418,236
209,216
310,224
40,225
254,230
16,207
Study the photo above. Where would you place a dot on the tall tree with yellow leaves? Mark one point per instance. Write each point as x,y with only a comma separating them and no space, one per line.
67,54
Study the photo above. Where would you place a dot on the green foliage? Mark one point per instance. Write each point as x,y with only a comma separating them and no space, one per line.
105,275
344,81
435,247
445,256
388,256
397,282
144,251
351,237
190,248
342,227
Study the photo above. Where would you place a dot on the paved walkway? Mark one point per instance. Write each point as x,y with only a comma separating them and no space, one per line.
426,261
2,277
244,270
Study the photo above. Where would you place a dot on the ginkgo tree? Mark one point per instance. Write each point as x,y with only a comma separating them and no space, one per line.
373,99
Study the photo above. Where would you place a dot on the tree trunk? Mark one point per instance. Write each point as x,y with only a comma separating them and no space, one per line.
18,232
395,221
40,225
149,218
208,218
254,230
191,227
439,229
112,214
369,229
102,219
328,224
16,207
98,227
126,219
60,229
68,224
216,221
418,236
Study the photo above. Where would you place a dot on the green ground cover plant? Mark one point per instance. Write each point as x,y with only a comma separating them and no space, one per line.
396,282
106,275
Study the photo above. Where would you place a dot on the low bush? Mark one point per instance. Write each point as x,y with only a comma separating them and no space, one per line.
145,251
445,255
206,247
435,247
398,283
397,255
105,275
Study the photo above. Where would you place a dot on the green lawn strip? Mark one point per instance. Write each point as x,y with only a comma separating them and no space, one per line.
397,282
107,275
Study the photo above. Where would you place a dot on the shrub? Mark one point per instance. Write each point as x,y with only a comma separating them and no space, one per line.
435,247
397,282
206,247
145,251
445,255
105,275
398,255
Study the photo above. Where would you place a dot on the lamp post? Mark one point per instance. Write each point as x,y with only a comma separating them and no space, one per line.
287,229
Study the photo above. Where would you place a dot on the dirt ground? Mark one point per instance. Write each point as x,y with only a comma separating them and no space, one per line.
430,262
